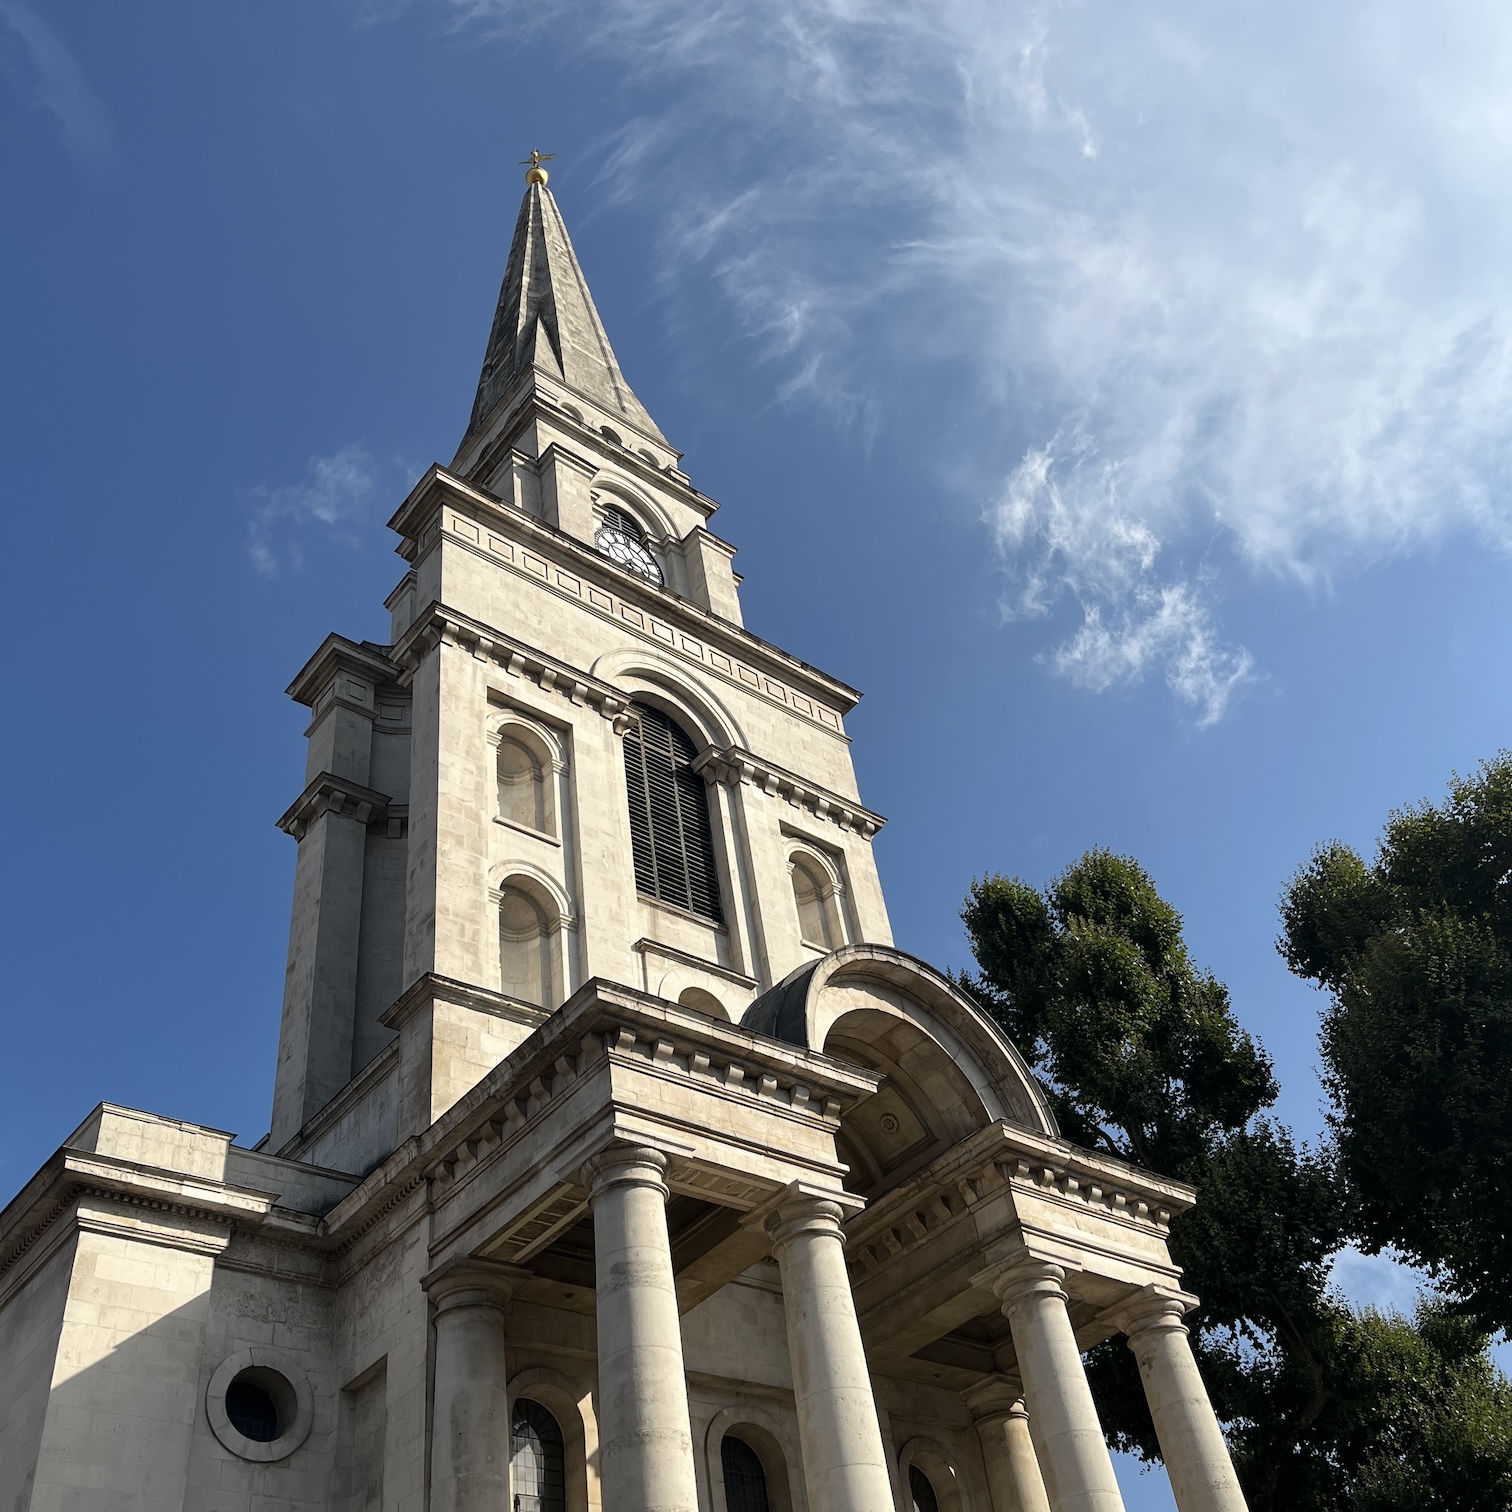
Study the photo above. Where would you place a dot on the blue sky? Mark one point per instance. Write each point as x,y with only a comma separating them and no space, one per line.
1120,398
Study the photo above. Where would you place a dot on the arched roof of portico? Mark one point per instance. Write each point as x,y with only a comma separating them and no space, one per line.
853,991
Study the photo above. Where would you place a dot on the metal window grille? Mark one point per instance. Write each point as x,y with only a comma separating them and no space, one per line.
744,1478
670,835
537,1465
923,1494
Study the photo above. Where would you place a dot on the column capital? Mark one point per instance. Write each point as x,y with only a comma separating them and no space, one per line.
1153,1309
1023,1277
625,1165
996,1397
801,1209
472,1283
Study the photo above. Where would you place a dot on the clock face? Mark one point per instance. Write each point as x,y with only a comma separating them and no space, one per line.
622,547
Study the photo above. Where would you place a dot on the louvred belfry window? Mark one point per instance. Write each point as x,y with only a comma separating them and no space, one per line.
669,816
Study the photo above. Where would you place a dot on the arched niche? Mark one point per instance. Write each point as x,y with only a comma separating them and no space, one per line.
947,1070
533,944
818,899
529,767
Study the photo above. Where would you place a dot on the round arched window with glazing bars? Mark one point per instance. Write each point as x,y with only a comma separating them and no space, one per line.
537,1463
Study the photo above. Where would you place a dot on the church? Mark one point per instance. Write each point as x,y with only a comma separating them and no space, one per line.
619,1161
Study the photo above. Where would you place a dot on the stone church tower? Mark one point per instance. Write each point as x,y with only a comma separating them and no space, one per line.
618,1160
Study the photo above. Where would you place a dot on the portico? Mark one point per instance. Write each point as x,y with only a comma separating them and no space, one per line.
989,1267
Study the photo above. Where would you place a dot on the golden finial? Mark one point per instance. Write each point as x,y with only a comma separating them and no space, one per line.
537,174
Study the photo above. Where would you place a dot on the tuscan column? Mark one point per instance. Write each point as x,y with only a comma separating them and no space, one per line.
1002,1424
1191,1443
1068,1438
645,1442
470,1421
844,1465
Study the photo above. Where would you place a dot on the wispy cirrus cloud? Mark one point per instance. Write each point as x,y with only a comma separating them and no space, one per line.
1232,283
46,71
335,493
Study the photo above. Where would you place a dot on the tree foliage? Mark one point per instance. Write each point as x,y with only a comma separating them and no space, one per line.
1415,951
1326,1409
1091,979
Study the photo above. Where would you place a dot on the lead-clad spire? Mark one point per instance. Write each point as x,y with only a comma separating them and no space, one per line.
546,321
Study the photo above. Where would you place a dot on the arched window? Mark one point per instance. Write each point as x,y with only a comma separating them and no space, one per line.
670,835
524,948
921,1492
522,784
537,1465
745,1484
813,914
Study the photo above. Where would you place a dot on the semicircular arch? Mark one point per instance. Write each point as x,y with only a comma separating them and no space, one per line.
858,989
536,883
772,1441
641,672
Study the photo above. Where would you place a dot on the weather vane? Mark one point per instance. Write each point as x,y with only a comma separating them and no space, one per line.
537,174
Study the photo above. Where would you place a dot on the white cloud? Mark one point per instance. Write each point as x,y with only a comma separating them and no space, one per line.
1234,280
334,492
59,86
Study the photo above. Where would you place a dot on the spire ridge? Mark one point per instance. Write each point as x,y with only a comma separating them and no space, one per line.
546,321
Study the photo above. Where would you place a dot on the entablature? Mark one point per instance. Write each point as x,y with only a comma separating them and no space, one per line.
733,765
493,530
437,623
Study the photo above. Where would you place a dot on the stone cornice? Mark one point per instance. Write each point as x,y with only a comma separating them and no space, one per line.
337,653
647,946
74,1176
502,430
734,765
1003,1156
440,487
329,794
430,987
602,1019
437,623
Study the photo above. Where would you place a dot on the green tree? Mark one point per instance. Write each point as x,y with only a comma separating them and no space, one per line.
1415,951
1141,1051
1144,1058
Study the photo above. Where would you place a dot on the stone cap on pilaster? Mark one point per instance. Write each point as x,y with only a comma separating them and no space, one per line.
330,794
365,660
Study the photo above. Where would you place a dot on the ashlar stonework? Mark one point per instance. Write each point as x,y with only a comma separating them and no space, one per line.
618,1160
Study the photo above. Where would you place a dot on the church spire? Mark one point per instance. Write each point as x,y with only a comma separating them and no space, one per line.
546,322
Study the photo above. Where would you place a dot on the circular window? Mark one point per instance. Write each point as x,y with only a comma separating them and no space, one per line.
260,1405
252,1404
